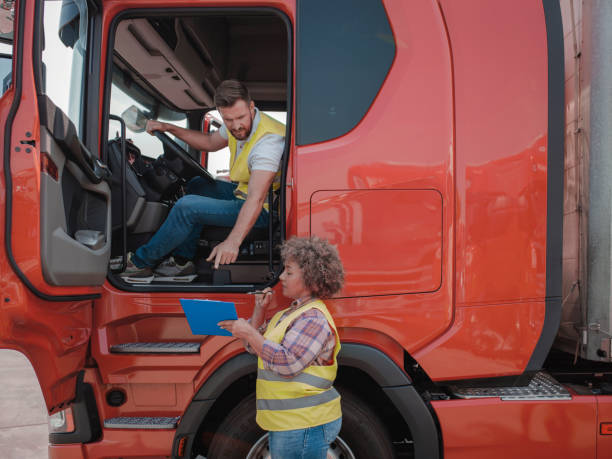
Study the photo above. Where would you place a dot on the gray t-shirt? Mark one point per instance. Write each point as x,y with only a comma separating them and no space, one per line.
266,153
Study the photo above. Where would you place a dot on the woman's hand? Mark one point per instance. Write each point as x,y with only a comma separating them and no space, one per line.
239,328
264,300
245,331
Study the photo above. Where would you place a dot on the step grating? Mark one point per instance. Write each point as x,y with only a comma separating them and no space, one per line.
156,348
542,387
141,423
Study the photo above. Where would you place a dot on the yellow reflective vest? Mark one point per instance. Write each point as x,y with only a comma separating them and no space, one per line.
306,400
239,167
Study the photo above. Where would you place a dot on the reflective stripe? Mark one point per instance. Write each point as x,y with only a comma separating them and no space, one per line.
311,380
296,403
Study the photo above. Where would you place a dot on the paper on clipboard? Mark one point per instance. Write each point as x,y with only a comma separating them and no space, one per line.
203,315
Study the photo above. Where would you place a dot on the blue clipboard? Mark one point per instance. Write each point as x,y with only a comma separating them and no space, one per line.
203,316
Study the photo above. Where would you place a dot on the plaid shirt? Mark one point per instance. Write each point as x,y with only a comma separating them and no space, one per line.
309,340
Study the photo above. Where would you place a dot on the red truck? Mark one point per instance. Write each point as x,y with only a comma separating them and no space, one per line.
457,153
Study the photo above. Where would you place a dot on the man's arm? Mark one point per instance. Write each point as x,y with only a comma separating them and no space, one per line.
204,141
227,251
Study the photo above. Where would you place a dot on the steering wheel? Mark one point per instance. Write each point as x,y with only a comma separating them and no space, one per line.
183,156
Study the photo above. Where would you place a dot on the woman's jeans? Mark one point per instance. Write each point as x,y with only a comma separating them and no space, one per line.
205,204
309,443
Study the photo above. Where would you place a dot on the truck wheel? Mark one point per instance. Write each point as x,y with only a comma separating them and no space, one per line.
362,429
237,433
362,434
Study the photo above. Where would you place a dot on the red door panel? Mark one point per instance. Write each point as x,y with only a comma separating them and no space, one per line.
46,311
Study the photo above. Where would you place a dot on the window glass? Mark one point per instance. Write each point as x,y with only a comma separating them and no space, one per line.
219,161
149,146
7,23
344,50
7,18
64,55
6,67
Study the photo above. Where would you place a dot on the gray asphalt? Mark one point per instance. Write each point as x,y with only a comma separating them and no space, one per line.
23,416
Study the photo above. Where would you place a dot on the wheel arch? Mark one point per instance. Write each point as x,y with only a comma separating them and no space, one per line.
237,376
398,388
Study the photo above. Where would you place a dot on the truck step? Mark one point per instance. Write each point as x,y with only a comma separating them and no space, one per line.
156,348
542,387
141,423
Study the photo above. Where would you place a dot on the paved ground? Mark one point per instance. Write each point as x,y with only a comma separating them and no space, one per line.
23,416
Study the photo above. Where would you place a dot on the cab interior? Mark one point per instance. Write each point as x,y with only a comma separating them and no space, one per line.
166,67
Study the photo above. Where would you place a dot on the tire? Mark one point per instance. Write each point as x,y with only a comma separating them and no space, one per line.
237,433
362,431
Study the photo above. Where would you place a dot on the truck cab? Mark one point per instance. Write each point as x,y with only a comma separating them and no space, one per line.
427,140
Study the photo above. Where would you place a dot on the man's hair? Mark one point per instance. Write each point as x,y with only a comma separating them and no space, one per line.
230,91
322,270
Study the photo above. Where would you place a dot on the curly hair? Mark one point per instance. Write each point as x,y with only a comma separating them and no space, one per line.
319,261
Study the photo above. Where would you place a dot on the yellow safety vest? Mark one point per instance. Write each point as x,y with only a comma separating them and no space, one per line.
239,167
306,400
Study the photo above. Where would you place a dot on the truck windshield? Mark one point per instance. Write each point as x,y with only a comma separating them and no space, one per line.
127,95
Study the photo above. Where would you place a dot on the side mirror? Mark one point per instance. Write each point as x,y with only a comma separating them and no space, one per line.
69,23
134,119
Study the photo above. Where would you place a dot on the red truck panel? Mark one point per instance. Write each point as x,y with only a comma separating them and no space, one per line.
487,428
501,116
604,424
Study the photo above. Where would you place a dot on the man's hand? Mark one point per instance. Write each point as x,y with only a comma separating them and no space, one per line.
203,141
153,125
224,253
238,328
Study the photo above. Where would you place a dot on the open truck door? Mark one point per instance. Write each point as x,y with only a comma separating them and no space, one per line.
56,201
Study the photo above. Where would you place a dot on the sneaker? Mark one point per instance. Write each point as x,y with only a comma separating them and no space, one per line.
171,268
133,271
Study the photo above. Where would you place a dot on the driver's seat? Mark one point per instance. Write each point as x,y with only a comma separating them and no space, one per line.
220,233
211,233
144,214
253,264
215,234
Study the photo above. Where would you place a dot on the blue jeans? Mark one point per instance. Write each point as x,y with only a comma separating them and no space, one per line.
205,203
309,443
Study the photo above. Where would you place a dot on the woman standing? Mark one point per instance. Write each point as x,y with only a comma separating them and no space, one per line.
297,351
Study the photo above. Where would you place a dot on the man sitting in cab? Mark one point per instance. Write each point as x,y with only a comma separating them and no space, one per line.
256,142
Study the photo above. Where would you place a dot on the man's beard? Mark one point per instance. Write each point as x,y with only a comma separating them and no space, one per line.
247,132
241,136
